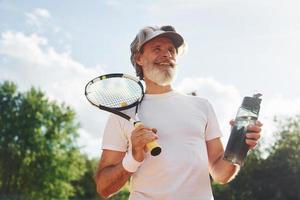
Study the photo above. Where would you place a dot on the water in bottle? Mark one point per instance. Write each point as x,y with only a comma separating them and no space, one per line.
237,149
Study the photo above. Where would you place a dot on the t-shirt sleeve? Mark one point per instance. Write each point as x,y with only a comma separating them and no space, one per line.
212,129
114,135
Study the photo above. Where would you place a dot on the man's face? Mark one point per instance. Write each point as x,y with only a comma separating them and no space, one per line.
158,60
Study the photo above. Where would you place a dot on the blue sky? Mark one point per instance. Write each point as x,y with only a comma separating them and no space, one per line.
235,48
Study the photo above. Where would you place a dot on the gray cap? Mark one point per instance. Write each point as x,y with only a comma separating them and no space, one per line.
148,33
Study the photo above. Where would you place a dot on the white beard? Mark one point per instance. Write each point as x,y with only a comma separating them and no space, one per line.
161,75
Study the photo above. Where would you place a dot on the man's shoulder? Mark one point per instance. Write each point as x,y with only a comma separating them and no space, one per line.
191,97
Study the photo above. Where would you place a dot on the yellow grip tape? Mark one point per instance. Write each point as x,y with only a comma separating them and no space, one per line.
151,145
137,124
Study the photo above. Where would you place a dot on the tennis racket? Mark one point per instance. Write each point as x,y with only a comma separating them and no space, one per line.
117,92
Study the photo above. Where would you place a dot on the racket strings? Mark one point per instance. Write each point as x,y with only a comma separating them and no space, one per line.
114,92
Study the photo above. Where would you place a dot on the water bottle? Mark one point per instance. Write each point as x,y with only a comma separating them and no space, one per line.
237,149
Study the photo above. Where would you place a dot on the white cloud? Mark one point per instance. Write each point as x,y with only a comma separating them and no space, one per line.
25,48
279,107
226,100
38,64
89,143
37,16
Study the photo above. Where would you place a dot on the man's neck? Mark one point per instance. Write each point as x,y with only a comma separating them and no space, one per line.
154,88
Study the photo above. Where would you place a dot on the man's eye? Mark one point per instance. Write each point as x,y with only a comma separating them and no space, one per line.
157,49
172,50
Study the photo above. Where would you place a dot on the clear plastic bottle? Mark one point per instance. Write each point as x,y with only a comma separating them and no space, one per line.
237,149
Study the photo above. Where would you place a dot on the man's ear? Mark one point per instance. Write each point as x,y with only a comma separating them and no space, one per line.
138,59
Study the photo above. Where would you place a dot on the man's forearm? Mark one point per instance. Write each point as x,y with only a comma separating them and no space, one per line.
110,179
223,171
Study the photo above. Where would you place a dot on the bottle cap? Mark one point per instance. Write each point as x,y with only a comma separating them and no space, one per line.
252,103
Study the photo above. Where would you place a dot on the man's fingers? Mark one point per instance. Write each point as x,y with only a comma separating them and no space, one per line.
258,123
141,128
252,139
253,136
144,136
253,128
148,138
251,143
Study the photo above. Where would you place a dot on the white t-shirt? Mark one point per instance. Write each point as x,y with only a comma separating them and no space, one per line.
184,124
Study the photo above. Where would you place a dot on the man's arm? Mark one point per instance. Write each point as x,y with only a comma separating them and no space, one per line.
110,175
223,171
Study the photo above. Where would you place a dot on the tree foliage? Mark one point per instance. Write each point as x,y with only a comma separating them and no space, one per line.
38,156
85,187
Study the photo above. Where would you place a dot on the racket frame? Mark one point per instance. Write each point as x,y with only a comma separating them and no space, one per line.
115,75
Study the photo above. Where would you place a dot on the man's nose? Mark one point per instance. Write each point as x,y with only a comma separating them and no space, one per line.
167,54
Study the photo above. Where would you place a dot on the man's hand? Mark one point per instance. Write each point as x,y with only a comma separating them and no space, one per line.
253,133
141,136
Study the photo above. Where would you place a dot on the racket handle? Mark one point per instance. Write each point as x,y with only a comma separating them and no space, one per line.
153,146
137,123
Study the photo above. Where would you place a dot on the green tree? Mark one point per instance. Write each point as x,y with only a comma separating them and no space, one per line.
85,187
281,170
38,155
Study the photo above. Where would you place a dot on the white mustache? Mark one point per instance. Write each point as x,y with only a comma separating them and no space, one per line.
171,63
